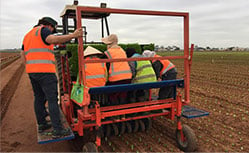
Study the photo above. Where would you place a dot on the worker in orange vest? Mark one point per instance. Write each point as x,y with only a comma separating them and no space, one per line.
119,72
165,70
40,65
96,73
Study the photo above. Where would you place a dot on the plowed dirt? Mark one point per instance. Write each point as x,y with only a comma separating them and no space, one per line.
219,84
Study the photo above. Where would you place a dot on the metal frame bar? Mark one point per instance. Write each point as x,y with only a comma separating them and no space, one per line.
185,16
173,104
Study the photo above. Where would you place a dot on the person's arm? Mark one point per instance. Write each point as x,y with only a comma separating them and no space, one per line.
104,56
23,55
52,39
132,65
157,66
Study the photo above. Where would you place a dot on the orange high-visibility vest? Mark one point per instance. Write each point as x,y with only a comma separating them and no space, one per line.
167,65
96,73
118,70
39,56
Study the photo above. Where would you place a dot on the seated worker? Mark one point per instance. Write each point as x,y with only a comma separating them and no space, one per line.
119,72
96,73
165,70
142,71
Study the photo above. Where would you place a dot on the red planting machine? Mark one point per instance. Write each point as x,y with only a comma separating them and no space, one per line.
100,118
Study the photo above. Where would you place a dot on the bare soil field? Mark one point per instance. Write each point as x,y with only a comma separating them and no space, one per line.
7,58
7,54
219,85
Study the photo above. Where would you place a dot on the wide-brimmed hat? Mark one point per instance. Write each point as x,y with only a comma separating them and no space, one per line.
148,53
110,39
50,21
91,51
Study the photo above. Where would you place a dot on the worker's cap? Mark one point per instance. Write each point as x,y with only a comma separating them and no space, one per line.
148,53
110,39
91,51
49,20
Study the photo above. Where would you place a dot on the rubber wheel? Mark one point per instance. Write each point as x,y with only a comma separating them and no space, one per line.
89,147
128,127
122,128
189,144
141,126
135,125
147,123
115,130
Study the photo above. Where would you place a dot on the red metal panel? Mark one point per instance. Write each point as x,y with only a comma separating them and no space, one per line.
126,11
134,59
186,61
185,16
63,74
137,104
135,107
191,56
81,61
128,119
68,76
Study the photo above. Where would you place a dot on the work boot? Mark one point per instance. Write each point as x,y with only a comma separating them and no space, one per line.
60,133
43,127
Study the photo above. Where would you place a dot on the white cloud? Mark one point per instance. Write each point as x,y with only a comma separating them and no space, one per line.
214,23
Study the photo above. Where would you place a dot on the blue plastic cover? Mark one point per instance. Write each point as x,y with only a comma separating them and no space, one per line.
128,87
191,112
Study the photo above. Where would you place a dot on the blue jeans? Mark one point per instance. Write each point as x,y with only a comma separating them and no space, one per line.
45,89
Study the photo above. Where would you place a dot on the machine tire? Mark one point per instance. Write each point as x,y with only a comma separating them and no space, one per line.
147,123
115,130
135,125
190,143
141,126
122,128
128,127
89,147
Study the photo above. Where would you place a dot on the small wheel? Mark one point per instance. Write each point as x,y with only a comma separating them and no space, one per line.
135,125
90,147
122,128
115,129
147,123
141,125
128,127
188,143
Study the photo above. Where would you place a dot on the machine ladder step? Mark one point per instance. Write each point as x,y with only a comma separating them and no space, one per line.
192,112
46,136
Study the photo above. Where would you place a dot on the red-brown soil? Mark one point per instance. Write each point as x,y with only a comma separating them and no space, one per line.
18,127
219,84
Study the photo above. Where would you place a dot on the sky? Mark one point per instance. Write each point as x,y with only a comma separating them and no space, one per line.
213,23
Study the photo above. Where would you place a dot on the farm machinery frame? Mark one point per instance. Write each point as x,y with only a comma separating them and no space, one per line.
98,117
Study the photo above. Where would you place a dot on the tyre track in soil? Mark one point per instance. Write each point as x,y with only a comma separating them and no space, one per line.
18,128
221,130
221,98
215,137
7,90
